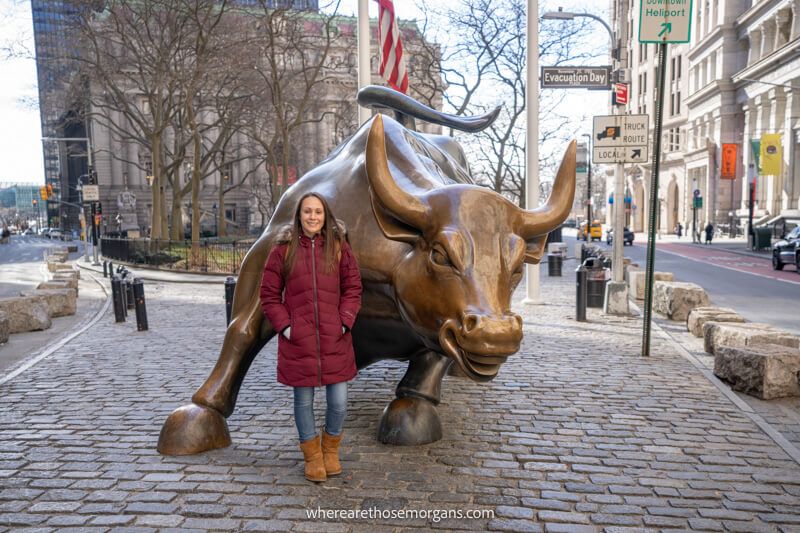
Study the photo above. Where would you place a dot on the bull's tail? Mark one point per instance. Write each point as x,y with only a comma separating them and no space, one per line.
405,106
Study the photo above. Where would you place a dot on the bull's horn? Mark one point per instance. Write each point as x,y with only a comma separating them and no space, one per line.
404,206
546,218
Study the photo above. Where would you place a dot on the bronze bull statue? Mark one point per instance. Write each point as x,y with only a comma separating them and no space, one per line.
440,258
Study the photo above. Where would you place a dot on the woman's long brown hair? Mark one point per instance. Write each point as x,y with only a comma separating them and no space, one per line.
331,233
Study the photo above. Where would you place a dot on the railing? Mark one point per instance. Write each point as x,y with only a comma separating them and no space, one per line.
207,256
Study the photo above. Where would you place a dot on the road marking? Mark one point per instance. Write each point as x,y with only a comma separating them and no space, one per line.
728,267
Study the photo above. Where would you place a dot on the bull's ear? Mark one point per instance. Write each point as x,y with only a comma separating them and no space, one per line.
392,227
534,249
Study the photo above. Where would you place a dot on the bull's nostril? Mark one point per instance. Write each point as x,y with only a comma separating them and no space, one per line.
470,323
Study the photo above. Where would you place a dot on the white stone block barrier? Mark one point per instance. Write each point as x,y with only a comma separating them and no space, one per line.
748,334
26,314
61,302
675,299
637,281
767,371
699,316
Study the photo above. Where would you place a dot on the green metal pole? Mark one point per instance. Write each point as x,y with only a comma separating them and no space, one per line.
651,230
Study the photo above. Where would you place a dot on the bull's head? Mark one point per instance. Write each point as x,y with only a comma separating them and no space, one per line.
469,245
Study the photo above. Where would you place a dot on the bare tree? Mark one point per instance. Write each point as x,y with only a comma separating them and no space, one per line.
483,61
290,86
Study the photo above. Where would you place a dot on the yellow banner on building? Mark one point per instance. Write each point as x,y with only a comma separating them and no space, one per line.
771,157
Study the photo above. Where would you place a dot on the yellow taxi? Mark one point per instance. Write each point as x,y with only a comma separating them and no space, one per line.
595,232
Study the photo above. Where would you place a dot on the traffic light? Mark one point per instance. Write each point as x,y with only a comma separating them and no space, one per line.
43,193
99,210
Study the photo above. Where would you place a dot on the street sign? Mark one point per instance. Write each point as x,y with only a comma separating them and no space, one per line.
665,21
576,78
91,193
622,154
620,139
620,93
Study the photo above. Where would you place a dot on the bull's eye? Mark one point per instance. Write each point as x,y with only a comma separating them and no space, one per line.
438,257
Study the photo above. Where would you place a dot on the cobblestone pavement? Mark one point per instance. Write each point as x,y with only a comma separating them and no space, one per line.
577,433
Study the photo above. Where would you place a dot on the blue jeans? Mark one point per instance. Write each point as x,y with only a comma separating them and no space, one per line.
335,412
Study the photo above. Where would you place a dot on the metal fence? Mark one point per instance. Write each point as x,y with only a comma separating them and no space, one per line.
207,256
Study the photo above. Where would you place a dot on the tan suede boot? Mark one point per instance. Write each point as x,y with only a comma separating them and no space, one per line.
330,453
312,453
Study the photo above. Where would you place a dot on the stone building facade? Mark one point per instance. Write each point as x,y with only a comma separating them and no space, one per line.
734,81
122,167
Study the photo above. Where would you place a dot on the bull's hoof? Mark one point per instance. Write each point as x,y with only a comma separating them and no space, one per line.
410,422
193,429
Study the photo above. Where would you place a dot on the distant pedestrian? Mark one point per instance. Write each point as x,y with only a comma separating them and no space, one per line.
709,233
678,230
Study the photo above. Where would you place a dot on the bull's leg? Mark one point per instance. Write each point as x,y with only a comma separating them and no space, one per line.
200,425
411,418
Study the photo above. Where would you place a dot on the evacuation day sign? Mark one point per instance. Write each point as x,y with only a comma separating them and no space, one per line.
665,21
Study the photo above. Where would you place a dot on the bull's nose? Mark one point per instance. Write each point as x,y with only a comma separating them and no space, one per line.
478,324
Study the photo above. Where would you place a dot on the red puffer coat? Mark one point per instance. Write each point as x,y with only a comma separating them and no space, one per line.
316,305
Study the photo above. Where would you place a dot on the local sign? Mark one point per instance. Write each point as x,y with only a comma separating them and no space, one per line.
665,21
576,78
620,139
91,193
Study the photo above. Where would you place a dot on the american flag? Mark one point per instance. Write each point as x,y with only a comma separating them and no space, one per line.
393,64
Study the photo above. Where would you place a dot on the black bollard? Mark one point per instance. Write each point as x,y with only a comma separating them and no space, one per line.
141,309
105,269
230,288
129,299
123,295
117,294
110,269
581,296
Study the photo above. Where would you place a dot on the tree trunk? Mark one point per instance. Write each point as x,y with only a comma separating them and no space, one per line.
221,223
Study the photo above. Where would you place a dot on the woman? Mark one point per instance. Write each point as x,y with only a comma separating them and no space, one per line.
709,233
311,293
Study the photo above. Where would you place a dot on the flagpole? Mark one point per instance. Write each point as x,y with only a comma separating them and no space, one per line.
364,75
532,138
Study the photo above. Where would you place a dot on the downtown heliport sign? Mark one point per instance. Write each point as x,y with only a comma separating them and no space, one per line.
665,21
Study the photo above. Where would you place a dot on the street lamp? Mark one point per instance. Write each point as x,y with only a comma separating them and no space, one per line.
588,181
618,305
567,15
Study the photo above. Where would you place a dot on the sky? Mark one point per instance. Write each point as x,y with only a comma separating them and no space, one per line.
20,139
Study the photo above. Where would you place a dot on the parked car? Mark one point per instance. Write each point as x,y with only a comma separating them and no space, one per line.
787,250
29,231
55,233
595,231
44,232
627,235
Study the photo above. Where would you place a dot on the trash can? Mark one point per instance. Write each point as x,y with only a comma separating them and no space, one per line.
762,238
596,279
555,235
554,262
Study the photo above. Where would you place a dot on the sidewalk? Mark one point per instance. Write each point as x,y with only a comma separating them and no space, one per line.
577,433
737,245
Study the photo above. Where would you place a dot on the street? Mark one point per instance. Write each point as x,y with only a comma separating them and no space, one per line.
21,264
746,283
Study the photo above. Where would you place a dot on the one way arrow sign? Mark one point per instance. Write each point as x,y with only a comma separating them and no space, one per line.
665,21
